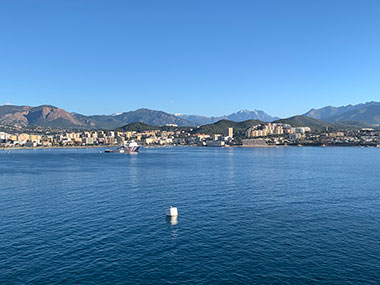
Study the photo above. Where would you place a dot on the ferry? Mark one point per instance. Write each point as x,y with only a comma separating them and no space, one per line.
132,147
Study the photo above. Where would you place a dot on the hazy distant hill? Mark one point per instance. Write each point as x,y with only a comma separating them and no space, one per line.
240,116
199,120
326,112
367,112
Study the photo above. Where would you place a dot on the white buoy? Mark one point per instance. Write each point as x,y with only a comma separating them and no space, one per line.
172,212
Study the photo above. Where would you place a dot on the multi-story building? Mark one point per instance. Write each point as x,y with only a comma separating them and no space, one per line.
274,129
231,132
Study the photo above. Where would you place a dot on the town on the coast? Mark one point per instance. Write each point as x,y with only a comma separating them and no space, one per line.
257,135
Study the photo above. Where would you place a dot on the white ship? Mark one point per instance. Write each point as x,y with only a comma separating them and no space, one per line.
132,147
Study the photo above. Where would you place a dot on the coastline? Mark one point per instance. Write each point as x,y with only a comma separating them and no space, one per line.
54,147
86,146
164,146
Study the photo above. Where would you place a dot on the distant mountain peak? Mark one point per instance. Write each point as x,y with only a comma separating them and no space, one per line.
239,116
244,115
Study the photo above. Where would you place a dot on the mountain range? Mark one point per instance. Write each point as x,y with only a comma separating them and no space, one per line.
240,116
53,117
367,112
220,127
47,116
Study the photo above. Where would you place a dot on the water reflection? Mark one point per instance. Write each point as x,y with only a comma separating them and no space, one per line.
172,220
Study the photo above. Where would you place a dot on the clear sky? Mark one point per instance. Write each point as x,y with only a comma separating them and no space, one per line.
189,56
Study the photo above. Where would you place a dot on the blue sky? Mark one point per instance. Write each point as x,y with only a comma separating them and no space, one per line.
190,56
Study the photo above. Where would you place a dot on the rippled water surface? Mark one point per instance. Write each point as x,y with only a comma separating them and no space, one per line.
272,215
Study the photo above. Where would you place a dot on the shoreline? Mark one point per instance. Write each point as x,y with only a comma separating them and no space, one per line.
164,146
85,146
54,147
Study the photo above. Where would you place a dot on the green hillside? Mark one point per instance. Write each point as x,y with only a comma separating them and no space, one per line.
138,127
221,127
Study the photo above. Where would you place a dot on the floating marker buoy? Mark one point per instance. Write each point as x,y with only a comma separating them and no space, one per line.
172,212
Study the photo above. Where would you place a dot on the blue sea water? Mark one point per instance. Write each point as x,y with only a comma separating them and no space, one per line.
293,215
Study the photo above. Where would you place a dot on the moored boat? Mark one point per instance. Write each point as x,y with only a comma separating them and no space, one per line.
131,148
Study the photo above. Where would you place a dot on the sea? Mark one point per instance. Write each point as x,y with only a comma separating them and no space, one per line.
286,215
